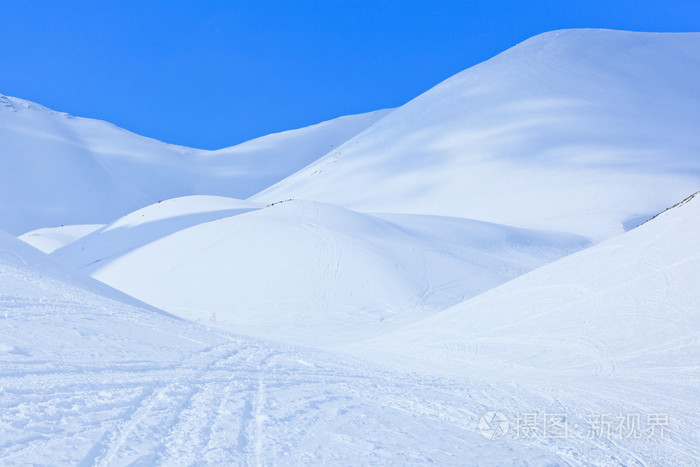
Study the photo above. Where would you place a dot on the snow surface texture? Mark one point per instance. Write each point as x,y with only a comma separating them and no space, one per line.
436,289
119,384
107,172
621,318
87,380
578,130
305,272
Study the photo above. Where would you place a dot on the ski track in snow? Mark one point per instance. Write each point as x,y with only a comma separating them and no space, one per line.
245,403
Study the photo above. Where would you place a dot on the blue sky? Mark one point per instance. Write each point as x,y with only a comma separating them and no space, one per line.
213,73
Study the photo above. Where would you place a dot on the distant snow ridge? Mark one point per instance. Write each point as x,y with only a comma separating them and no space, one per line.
542,136
60,170
142,227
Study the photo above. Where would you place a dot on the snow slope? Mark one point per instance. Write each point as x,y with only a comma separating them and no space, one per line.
258,163
50,239
87,380
624,305
146,225
581,131
139,227
107,172
621,318
306,272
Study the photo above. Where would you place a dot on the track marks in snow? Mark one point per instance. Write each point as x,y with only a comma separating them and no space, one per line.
250,437
248,403
141,432
191,433
161,411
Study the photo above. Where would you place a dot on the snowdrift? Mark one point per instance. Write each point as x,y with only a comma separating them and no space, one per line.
307,272
584,131
61,170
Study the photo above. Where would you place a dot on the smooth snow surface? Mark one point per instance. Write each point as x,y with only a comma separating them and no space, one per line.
107,172
575,130
50,239
306,272
146,225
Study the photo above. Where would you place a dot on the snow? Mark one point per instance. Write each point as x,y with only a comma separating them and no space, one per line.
107,172
305,272
619,319
574,130
624,305
477,250
50,239
90,380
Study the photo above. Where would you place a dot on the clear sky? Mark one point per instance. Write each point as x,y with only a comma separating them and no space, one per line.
213,73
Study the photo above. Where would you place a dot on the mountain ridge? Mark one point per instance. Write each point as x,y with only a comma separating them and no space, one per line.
109,171
559,124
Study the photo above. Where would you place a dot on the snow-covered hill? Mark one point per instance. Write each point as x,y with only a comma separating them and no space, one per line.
60,170
630,303
50,239
305,272
585,131
542,136
88,379
140,228
621,318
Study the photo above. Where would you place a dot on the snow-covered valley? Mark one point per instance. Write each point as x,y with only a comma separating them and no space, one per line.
462,280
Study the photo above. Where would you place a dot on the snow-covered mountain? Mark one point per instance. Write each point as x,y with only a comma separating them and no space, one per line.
478,249
584,131
542,136
305,272
107,172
